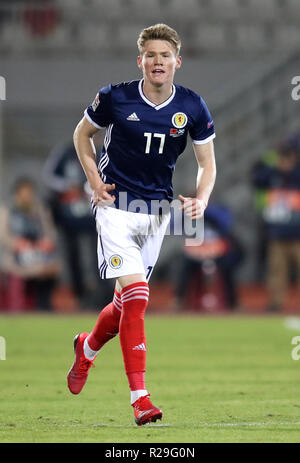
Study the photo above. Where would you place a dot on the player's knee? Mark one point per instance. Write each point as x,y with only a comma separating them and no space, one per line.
135,300
127,280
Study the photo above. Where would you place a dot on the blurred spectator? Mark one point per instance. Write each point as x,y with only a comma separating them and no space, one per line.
278,185
40,17
210,267
71,209
30,263
269,158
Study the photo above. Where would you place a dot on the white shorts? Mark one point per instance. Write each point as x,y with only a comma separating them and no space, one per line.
128,242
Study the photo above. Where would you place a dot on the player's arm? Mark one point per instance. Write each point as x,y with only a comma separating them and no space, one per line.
85,148
205,156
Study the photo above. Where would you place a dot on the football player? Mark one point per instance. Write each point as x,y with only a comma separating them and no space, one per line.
147,124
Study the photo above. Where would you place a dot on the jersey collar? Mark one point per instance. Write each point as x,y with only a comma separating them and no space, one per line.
150,103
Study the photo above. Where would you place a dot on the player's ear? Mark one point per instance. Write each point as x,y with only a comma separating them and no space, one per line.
139,61
178,62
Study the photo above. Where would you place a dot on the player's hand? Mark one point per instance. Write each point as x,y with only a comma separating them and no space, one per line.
101,195
192,207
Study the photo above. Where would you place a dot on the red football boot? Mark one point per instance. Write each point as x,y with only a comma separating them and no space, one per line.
79,371
145,412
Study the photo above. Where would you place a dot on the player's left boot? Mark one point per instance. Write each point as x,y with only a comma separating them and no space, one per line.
79,371
145,411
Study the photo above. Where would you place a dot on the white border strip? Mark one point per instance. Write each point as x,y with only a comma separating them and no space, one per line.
156,106
202,142
91,120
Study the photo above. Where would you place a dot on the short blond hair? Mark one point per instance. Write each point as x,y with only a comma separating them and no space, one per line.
159,32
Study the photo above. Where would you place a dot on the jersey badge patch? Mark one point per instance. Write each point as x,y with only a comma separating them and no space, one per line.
179,120
96,102
176,132
115,261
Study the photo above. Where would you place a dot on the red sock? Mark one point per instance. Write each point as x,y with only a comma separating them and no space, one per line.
132,333
136,380
107,325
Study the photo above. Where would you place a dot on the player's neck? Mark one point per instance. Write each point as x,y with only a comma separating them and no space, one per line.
155,94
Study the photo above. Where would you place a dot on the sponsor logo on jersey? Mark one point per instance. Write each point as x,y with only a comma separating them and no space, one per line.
133,117
209,124
115,261
176,132
179,120
96,102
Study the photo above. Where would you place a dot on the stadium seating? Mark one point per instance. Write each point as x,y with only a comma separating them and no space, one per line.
211,25
210,36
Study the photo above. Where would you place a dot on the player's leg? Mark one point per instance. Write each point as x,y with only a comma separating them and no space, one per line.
105,328
88,345
134,297
127,318
134,293
107,325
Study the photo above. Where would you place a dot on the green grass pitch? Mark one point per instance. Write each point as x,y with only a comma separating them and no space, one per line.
216,379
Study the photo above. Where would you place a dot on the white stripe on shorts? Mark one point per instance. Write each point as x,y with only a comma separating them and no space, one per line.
103,269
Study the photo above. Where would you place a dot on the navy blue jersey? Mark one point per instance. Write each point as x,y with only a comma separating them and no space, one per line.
143,140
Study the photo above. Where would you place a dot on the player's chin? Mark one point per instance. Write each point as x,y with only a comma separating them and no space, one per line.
158,79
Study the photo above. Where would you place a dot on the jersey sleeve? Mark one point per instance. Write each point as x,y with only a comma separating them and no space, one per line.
99,112
203,129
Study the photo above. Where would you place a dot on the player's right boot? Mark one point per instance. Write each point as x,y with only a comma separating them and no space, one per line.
145,411
79,371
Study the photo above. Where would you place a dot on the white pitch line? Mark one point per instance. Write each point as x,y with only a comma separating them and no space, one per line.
148,425
207,425
167,425
266,423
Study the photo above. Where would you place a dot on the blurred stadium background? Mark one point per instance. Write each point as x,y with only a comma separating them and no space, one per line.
240,55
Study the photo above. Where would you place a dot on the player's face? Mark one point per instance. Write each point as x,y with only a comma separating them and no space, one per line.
159,62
